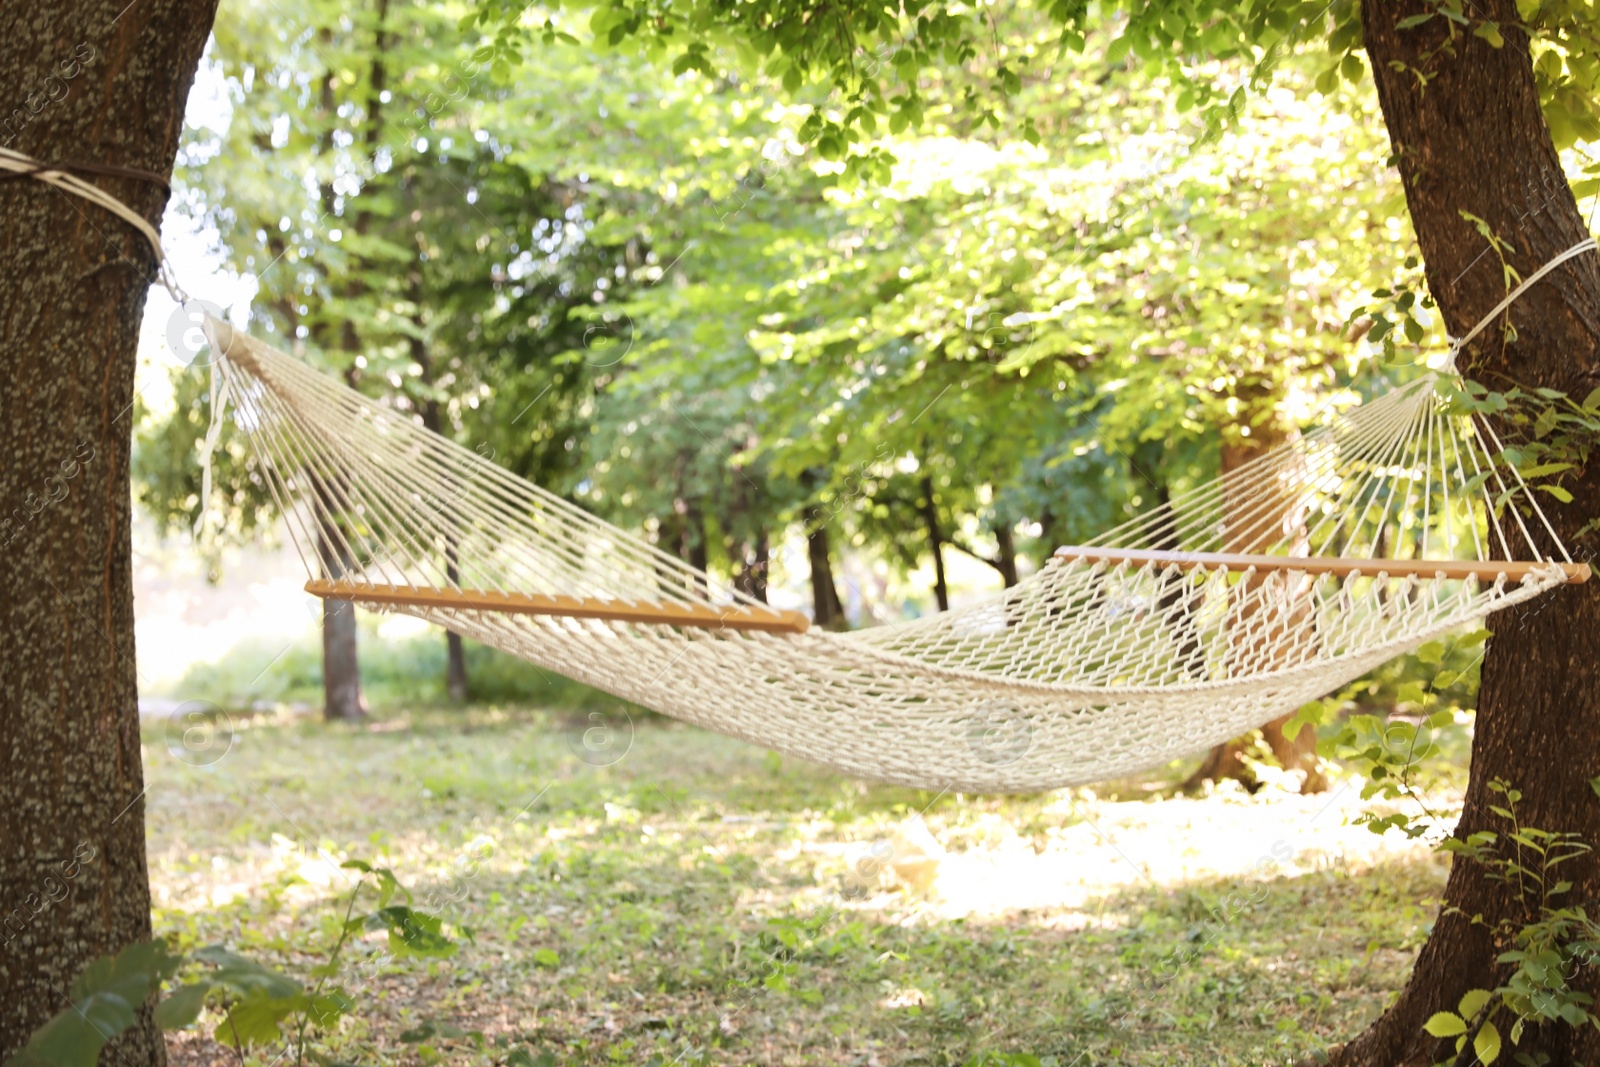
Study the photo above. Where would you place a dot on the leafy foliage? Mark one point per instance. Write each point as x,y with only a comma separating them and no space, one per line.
1550,940
257,1004
106,1000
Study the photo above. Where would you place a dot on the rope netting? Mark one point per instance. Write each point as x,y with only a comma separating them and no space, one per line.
1099,664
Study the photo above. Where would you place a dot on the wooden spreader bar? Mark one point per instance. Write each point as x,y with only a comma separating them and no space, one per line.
703,618
1483,570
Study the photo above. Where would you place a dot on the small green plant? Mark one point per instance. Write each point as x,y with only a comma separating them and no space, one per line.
1549,435
1392,724
1548,942
258,1005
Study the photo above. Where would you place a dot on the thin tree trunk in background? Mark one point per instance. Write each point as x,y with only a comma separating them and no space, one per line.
1049,534
930,523
827,610
455,670
75,278
752,554
342,700
695,552
1178,612
456,686
1226,760
1476,141
1005,554
341,665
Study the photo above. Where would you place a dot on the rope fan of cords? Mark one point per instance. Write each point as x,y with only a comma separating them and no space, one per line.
1233,604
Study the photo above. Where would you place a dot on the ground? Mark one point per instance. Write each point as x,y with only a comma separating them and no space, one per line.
638,891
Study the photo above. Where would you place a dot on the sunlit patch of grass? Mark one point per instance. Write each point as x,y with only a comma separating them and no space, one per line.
700,901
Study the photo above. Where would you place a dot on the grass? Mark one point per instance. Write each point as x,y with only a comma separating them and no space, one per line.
641,892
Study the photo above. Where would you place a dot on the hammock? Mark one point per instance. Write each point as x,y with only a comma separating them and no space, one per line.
1231,605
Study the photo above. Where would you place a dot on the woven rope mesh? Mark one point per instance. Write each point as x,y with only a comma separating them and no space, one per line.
1081,672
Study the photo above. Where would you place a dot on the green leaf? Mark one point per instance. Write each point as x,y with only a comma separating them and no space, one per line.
1543,469
412,932
1310,715
1411,693
255,1020
1594,783
1432,652
418,1033
1559,493
106,1001
546,957
1487,1044
1473,1002
1411,21
74,1037
521,1057
1491,33
245,976
1445,1024
182,1006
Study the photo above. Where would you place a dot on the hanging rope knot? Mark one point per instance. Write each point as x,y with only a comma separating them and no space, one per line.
1458,343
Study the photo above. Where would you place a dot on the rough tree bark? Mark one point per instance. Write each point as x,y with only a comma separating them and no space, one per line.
110,81
1476,141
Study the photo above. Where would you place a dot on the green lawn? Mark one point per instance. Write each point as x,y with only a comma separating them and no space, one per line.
701,901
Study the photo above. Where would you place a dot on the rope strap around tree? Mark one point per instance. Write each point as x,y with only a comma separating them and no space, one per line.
1456,345
15,164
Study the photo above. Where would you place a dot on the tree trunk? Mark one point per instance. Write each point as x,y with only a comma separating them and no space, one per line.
693,549
73,880
826,609
752,554
341,665
930,522
342,700
455,670
1049,535
455,665
1226,760
1476,141
1005,553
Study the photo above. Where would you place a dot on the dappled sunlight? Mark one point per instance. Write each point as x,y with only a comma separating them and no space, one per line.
1102,846
700,889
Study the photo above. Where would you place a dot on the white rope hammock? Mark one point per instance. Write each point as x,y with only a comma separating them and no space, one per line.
1233,604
